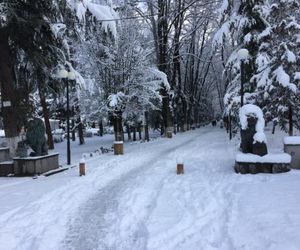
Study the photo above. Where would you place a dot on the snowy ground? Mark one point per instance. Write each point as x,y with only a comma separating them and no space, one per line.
137,201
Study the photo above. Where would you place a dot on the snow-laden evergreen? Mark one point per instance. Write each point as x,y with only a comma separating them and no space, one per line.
278,62
242,23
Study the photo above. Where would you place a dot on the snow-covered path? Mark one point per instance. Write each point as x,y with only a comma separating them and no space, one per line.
152,208
136,201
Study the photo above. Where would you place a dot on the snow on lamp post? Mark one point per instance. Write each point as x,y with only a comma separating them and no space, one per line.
66,76
243,55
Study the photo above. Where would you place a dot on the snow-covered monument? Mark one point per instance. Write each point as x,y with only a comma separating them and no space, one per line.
254,157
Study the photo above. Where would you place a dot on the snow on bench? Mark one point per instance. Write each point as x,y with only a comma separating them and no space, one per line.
270,163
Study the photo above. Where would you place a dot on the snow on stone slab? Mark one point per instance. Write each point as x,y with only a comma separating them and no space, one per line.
269,158
291,140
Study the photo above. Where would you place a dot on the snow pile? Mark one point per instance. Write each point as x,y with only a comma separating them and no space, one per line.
58,29
106,15
297,76
80,11
157,74
291,140
259,137
269,158
250,110
115,100
284,79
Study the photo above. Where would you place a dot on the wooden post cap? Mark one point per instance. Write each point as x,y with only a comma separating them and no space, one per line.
118,148
169,134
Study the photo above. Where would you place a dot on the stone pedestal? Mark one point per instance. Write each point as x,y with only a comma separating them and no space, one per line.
253,164
35,165
292,147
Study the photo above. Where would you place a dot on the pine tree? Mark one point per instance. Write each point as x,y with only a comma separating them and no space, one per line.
242,25
28,44
278,63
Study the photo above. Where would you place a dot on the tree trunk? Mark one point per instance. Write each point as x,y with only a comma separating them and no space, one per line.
101,127
128,132
291,121
139,128
118,127
134,133
46,117
11,123
185,115
80,131
146,126
73,130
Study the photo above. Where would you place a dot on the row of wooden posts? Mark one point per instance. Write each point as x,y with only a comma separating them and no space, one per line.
179,169
119,150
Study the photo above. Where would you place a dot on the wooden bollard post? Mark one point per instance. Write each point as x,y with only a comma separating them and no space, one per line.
81,167
180,166
118,148
169,134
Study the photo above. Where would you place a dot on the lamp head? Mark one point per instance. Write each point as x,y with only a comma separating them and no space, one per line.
62,73
71,75
243,54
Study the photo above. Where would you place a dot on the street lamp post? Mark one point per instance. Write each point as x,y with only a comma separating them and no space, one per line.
243,55
66,76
